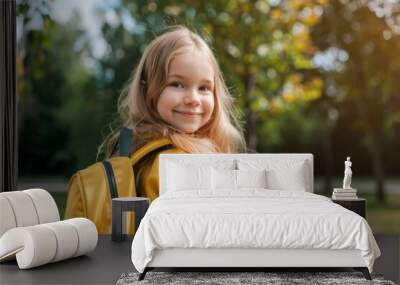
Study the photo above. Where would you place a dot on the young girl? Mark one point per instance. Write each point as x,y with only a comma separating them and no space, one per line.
177,92
176,102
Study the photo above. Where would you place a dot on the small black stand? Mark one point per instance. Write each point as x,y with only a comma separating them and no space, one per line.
364,271
139,205
358,205
143,274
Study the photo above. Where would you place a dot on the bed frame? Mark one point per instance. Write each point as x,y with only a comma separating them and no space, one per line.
249,258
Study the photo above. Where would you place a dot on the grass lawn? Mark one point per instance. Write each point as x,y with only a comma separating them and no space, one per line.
383,218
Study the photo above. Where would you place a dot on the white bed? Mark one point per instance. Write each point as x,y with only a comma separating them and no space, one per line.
247,210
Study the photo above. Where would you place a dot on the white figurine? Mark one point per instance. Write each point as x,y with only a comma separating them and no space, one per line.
347,174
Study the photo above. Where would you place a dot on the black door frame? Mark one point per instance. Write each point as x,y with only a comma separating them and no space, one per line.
8,98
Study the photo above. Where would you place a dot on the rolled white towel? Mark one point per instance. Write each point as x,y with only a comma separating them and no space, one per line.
26,208
33,246
66,238
23,208
7,218
46,207
40,244
87,235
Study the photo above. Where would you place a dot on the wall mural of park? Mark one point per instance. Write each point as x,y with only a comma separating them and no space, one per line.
313,76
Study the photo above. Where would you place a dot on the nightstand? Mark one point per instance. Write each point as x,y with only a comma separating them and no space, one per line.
358,205
139,205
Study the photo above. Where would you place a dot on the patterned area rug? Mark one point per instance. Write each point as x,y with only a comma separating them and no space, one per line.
229,278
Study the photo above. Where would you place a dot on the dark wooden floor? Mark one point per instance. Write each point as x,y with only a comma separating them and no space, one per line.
106,264
389,262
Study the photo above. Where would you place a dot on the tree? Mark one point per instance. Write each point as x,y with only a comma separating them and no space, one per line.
366,81
48,62
263,48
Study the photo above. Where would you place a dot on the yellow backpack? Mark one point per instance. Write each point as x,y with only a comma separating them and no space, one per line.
90,190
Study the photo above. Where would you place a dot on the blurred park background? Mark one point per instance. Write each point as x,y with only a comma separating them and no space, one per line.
315,76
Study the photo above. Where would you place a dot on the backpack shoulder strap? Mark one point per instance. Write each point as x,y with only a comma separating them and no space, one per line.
148,148
125,141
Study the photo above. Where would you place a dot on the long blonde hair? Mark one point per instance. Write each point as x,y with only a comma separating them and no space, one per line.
137,103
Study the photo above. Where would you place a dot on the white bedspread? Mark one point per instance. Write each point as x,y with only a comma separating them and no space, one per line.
250,219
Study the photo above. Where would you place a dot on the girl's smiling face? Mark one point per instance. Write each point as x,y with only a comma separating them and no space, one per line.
187,101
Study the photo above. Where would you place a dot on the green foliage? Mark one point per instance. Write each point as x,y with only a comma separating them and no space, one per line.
365,79
263,48
369,75
50,76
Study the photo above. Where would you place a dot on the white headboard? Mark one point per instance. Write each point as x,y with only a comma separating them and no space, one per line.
230,161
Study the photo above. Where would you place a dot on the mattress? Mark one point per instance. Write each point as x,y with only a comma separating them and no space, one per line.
250,219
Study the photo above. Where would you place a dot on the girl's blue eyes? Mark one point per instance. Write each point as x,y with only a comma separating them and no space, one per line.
180,85
176,84
204,88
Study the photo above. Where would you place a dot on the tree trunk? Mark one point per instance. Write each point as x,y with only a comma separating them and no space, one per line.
328,159
373,131
377,162
251,119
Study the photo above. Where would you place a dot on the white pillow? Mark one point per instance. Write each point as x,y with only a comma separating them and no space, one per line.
251,178
292,179
228,179
224,179
281,174
188,177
